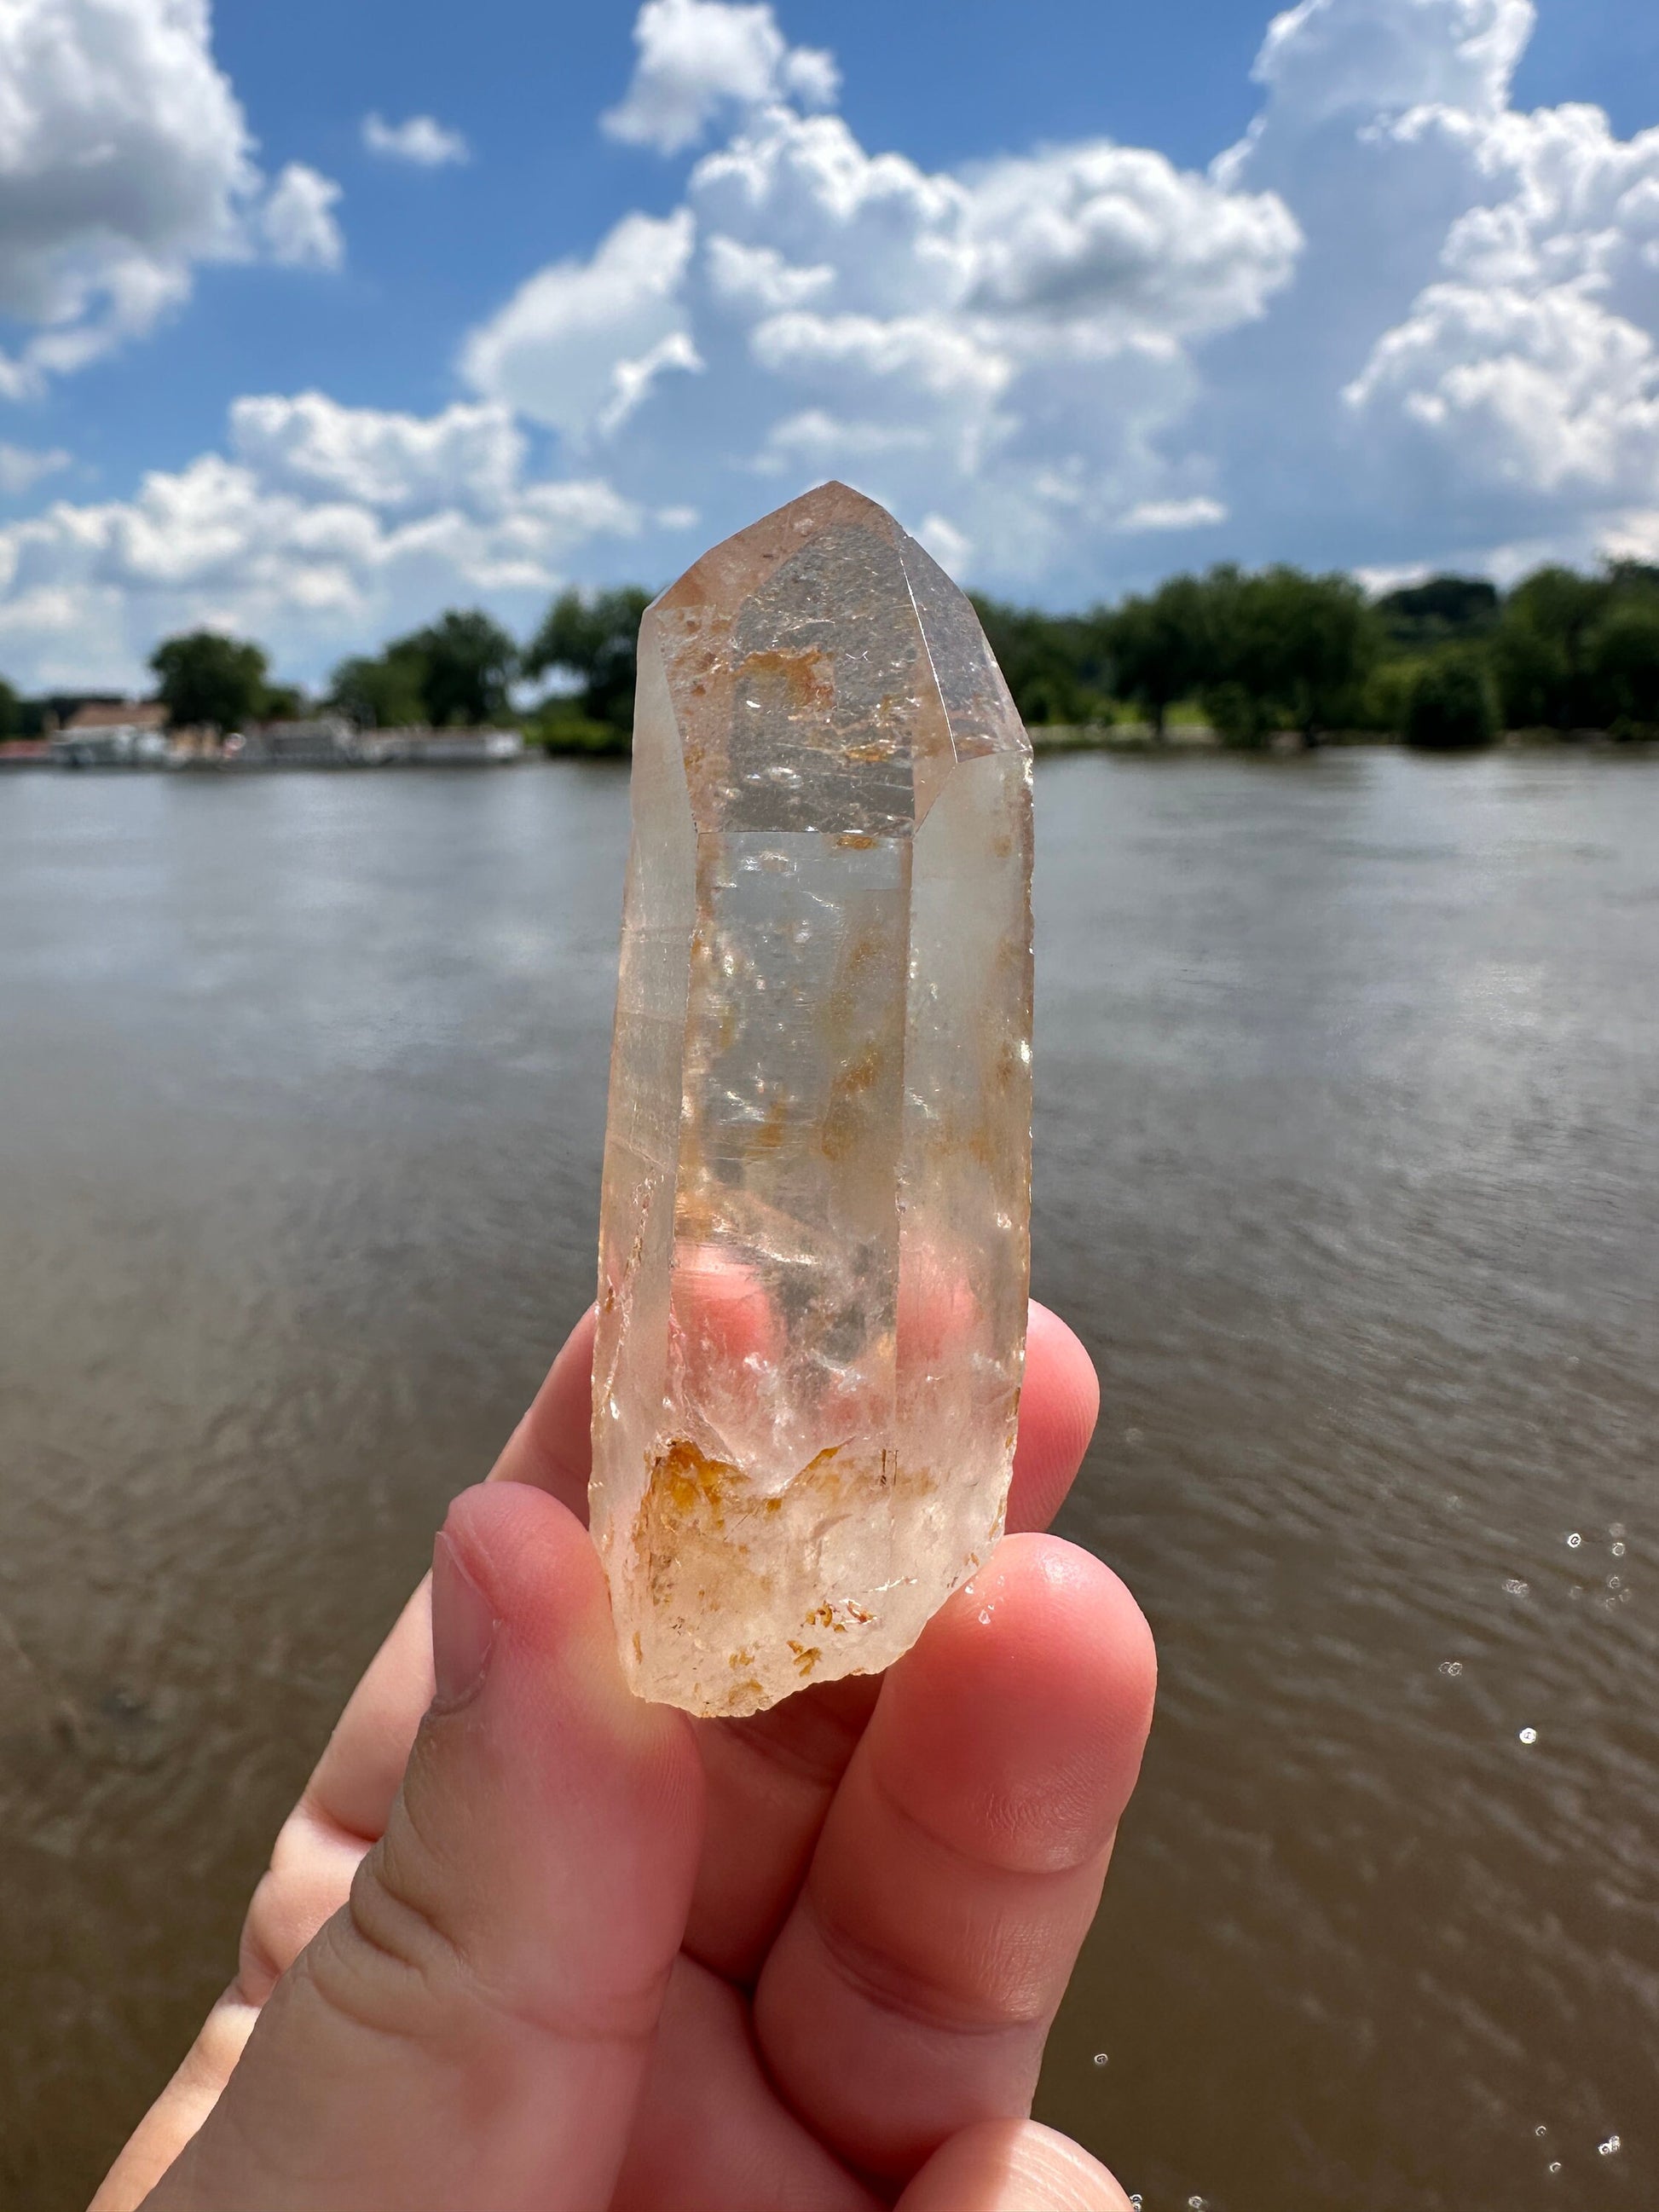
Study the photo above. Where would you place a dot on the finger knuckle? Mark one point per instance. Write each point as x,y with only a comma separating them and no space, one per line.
388,1960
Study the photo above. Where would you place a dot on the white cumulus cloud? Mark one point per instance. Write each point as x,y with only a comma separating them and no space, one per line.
297,220
1115,236
1530,367
22,467
578,346
1200,513
1329,57
422,141
469,457
758,276
125,161
1483,368
698,58
322,529
1535,392
803,189
998,350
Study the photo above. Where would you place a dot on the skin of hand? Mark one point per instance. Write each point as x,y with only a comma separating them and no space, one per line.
527,1942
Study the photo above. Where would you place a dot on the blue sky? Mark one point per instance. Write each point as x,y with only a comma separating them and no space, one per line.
1087,294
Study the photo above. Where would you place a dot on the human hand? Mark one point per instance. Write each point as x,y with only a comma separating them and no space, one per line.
532,1943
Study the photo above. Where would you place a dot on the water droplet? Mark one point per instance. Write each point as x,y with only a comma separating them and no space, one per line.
1102,2058
1618,1550
1617,1529
1610,2147
1574,1540
1518,1587
1555,2166
1452,1666
985,1617
1528,1736
1194,2204
1134,2202
1540,2131
1614,1581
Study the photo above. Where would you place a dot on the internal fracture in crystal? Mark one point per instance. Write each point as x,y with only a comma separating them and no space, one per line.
814,1248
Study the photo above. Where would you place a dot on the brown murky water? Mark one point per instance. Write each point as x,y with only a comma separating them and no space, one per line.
1348,1154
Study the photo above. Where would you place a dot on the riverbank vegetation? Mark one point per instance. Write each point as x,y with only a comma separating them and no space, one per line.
464,668
1450,662
1239,658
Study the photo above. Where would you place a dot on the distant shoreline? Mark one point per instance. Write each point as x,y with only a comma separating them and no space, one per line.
1192,737
1180,740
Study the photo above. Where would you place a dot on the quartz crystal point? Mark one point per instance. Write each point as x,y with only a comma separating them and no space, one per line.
815,1243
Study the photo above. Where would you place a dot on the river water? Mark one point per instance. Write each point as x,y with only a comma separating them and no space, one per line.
1348,1172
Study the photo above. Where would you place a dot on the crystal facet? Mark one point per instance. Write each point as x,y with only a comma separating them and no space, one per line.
814,1250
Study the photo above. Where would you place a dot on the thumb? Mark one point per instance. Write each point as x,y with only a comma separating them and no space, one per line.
473,2026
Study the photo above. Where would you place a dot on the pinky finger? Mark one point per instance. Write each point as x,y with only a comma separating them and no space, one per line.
1013,2166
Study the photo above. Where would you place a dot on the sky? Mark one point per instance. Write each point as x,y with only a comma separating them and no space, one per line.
317,318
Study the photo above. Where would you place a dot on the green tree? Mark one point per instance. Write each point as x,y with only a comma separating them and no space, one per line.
1328,642
1057,666
1291,651
1164,646
383,693
1453,704
1640,579
457,670
11,712
1236,714
206,677
1534,676
595,637
468,664
1540,651
1442,609
1622,664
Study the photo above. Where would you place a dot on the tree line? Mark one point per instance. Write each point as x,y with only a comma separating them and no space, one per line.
1446,663
456,672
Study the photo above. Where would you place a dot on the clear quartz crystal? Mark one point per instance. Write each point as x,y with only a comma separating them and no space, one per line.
814,1250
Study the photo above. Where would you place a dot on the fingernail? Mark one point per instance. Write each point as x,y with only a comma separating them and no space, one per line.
463,1627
